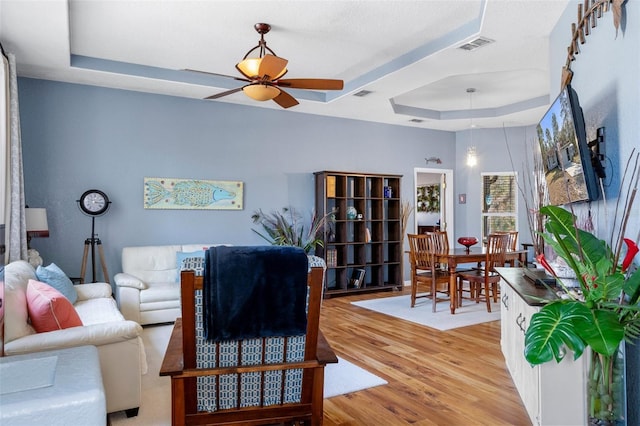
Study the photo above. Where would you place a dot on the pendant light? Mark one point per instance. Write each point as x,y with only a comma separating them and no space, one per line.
472,159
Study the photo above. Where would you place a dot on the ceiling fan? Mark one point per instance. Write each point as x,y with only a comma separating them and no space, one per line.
264,76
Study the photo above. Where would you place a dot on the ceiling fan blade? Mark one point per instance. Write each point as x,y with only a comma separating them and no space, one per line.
311,83
221,94
272,66
285,100
216,74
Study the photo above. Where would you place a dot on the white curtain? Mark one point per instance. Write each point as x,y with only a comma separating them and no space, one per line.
12,191
4,149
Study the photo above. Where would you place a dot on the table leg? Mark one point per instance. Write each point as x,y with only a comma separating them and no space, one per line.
452,285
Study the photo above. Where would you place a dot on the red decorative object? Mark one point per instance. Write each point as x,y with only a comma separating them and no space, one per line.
468,241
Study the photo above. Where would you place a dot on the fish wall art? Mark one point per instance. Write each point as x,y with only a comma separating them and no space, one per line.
168,193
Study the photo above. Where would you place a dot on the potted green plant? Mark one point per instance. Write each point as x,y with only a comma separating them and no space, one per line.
287,228
604,313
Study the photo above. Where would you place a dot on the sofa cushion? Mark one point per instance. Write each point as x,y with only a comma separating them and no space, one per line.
56,278
150,264
160,292
15,315
18,274
48,309
98,311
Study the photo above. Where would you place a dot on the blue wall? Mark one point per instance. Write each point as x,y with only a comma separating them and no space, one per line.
606,74
78,137
497,150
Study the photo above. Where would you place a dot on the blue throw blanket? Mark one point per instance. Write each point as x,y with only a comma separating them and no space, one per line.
257,291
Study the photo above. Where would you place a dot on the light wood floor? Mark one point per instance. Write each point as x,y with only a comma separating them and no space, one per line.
452,378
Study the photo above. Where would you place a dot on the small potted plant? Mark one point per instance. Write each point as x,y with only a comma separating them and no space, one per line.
288,228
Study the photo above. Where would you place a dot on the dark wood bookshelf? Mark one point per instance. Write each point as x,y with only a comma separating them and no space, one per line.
370,240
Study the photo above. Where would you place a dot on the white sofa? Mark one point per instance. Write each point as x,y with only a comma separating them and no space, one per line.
119,343
148,289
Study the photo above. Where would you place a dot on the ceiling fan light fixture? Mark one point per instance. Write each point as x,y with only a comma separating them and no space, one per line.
264,71
261,92
249,67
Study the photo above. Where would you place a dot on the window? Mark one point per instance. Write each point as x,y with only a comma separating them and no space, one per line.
499,203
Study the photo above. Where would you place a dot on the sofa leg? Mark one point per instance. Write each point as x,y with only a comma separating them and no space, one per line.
132,412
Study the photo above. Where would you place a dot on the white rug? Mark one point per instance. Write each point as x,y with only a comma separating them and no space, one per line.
399,307
343,377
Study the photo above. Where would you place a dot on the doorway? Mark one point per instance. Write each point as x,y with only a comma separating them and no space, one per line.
433,189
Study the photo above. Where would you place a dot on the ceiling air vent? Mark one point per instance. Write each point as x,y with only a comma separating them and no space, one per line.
474,44
362,93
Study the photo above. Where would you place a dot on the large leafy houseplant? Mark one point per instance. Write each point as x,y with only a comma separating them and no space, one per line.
287,228
605,313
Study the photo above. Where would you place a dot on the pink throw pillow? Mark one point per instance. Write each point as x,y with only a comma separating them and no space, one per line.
48,309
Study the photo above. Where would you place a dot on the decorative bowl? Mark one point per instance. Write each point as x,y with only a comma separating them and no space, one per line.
468,241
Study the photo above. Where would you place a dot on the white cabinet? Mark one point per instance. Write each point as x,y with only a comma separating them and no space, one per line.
552,393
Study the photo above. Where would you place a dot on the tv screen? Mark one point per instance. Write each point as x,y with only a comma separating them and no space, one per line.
566,155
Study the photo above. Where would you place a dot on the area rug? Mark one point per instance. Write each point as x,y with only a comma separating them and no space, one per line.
341,378
399,307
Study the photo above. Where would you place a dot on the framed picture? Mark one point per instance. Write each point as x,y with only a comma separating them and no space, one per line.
357,278
168,193
428,198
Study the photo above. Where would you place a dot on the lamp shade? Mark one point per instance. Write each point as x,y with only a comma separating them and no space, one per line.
261,92
36,221
251,68
472,160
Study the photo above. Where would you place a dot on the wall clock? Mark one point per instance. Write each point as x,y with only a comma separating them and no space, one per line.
94,202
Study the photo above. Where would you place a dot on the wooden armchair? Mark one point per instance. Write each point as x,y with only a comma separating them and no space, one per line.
277,380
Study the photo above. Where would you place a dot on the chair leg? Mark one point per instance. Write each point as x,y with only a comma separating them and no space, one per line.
460,284
495,292
487,296
414,290
434,295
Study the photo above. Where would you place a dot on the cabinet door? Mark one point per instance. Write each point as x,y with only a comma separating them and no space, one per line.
563,391
507,322
529,375
559,394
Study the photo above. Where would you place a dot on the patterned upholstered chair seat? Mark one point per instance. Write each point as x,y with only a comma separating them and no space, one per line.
257,380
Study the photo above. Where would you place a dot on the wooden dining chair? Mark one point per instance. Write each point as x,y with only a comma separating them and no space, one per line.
486,279
425,269
440,240
440,244
512,243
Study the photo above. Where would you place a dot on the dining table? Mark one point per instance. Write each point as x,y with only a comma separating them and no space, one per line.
458,256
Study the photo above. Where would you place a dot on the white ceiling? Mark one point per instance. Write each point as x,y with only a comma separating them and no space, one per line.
405,52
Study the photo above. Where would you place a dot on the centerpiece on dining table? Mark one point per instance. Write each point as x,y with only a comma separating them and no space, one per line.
468,242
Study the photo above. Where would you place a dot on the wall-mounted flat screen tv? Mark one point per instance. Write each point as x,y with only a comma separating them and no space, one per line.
566,155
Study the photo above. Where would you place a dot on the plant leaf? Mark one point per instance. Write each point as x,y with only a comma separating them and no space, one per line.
607,287
601,330
551,329
584,253
632,287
